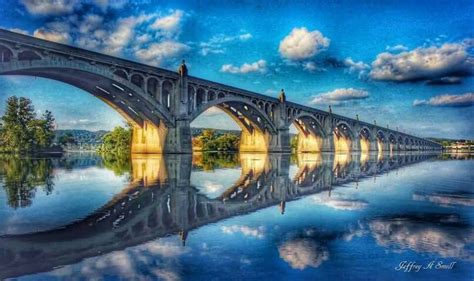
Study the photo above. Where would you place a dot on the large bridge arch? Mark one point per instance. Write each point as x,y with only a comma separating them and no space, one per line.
344,137
367,140
149,120
392,143
257,128
382,141
311,133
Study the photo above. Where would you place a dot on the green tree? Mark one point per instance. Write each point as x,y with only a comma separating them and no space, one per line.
227,142
43,130
17,121
67,139
21,131
116,141
210,141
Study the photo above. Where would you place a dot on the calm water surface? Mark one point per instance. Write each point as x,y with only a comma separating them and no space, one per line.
237,217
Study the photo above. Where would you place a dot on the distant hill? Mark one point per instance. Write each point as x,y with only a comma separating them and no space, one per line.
449,142
197,131
85,140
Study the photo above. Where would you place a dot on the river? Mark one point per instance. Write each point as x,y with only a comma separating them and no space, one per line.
237,217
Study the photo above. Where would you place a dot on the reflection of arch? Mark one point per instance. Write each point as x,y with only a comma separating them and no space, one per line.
6,54
256,168
28,55
309,169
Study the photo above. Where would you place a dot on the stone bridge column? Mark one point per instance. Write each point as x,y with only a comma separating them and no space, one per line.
373,145
328,140
179,139
280,141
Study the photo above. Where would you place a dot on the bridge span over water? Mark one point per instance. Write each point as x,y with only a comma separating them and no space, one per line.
161,104
161,201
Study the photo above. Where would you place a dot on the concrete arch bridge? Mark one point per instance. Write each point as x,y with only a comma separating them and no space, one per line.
161,104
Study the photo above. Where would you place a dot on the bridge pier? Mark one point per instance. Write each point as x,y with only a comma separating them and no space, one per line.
179,138
356,145
149,138
383,146
328,143
280,141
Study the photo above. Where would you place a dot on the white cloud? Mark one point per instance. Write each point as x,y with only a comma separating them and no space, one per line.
56,32
445,238
340,95
423,63
259,66
302,44
114,4
445,199
303,253
123,34
90,23
245,36
360,67
143,38
212,187
121,37
310,66
169,25
157,53
164,249
341,204
216,45
245,230
396,48
49,7
447,100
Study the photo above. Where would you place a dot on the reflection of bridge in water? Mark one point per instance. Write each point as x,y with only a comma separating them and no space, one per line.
161,201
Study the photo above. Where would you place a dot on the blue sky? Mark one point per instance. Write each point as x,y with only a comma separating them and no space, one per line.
404,63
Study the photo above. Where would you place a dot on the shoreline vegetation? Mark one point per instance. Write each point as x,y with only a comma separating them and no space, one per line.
22,131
